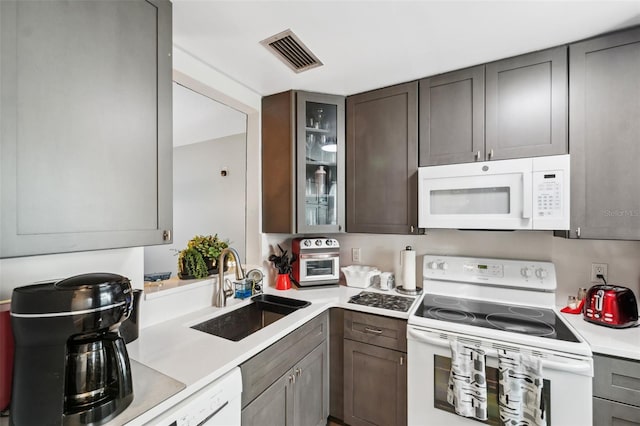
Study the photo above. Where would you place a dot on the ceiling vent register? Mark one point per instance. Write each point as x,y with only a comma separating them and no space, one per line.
289,49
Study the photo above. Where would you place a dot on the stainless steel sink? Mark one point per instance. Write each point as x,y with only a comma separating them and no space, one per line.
264,310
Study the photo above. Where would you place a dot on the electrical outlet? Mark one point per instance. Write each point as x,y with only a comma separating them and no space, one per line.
355,255
598,269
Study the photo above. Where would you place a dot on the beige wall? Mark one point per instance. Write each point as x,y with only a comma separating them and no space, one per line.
572,258
204,202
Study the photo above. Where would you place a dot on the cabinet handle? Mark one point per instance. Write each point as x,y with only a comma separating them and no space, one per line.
490,154
372,330
166,235
339,227
298,372
401,360
478,155
292,378
411,229
578,232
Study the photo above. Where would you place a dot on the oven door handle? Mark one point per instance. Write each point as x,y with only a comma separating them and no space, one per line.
423,336
320,255
577,366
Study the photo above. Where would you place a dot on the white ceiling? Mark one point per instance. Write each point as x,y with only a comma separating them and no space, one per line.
197,118
370,44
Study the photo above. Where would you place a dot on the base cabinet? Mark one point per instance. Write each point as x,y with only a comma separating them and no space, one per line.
288,383
375,370
616,391
375,385
299,397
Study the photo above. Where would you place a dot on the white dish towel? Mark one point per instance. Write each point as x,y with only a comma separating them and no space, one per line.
520,397
467,390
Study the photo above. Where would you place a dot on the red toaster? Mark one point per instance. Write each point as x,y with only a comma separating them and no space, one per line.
612,306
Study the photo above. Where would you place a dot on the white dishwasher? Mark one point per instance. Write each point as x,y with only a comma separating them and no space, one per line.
217,404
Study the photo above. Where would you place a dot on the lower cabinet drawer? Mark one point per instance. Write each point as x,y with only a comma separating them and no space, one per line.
610,413
376,330
616,379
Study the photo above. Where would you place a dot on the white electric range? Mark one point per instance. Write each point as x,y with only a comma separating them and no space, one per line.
494,306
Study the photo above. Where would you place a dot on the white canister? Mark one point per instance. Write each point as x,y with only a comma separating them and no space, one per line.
387,281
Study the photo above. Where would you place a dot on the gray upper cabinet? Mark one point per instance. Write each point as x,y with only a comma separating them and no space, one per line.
605,137
303,158
382,160
512,108
86,149
452,117
526,105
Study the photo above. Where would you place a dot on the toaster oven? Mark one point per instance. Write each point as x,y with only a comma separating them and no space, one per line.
317,261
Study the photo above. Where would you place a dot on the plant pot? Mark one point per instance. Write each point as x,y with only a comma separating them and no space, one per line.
283,282
211,269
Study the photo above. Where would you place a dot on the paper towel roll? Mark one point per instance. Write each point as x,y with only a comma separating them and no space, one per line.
408,261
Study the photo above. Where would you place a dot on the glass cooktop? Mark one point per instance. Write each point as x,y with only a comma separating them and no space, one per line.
532,321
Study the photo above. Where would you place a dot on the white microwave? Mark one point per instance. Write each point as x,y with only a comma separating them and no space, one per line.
524,193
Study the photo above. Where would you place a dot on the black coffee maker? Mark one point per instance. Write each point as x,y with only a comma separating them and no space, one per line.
71,365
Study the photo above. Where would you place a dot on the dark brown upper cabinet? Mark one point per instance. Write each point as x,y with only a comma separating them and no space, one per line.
512,108
86,133
604,96
526,105
303,158
452,117
382,160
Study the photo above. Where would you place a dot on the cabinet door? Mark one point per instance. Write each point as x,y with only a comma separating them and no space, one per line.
274,406
86,138
375,385
452,117
526,105
382,160
611,413
605,136
311,389
320,163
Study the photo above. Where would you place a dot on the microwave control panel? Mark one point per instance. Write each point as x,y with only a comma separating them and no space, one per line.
550,189
547,190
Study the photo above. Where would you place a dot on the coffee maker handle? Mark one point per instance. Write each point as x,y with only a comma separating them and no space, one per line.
117,352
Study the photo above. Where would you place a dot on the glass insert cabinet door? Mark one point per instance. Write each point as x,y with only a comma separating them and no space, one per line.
320,163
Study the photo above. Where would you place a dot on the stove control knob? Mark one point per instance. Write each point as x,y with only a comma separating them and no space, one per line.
307,243
318,243
433,265
526,272
541,273
443,265
328,242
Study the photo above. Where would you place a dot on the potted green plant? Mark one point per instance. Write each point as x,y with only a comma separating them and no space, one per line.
200,258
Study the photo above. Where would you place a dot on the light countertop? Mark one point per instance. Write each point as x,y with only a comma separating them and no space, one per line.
197,359
624,342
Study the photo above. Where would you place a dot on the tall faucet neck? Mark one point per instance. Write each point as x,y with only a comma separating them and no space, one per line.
221,297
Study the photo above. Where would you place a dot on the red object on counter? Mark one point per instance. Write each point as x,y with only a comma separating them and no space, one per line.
576,310
6,354
283,282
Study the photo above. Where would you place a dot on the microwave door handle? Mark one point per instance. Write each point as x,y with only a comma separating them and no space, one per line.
527,195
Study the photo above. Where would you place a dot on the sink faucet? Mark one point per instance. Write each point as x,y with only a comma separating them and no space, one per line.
222,294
